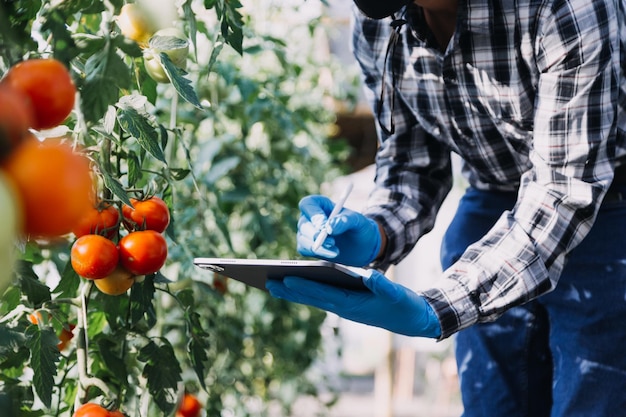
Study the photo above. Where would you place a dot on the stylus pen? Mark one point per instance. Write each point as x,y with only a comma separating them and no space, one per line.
324,232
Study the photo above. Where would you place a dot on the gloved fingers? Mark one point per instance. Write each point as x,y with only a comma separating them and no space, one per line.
382,286
304,291
316,205
349,220
305,238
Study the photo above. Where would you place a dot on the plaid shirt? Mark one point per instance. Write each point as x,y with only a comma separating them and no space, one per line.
531,95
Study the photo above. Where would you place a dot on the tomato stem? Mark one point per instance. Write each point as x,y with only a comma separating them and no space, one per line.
86,381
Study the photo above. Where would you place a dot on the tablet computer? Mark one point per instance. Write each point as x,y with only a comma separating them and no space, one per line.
255,272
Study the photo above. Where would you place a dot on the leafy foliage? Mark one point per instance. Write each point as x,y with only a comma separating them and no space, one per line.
231,145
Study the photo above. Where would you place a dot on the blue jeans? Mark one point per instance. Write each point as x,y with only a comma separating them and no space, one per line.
561,355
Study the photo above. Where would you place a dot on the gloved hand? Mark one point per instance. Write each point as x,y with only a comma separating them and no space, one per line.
353,239
388,305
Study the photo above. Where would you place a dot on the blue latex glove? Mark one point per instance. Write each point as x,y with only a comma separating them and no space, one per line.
388,305
353,239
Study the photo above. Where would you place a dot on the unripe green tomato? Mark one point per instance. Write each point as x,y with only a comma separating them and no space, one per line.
178,56
154,68
9,228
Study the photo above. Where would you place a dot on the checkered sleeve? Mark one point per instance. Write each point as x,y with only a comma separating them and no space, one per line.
413,170
574,145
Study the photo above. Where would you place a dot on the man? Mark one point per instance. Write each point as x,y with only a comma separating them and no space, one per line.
532,95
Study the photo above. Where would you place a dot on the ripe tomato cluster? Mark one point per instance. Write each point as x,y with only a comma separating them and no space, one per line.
95,410
113,261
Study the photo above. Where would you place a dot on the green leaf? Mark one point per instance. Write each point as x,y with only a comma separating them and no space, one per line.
69,283
218,45
11,341
109,352
115,187
105,74
15,359
55,26
185,297
180,83
97,322
168,43
190,18
197,350
21,398
163,373
36,292
134,169
140,128
44,358
10,300
179,173
142,303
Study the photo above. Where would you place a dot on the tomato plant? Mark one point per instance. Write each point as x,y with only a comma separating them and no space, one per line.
143,252
222,142
190,406
149,214
54,184
49,86
103,219
94,256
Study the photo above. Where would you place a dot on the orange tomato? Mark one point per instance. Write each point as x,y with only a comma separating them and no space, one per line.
91,410
101,220
95,410
149,214
94,256
16,117
54,184
65,336
37,318
143,252
49,86
117,282
189,407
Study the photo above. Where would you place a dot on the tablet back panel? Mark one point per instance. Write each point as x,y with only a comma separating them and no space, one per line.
255,272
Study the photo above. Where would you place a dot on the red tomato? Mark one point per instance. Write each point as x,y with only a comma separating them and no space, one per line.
149,214
103,220
16,117
94,256
49,85
91,410
143,252
189,407
54,183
